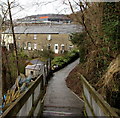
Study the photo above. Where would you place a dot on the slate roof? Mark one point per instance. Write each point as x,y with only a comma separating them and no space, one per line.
33,67
36,61
47,29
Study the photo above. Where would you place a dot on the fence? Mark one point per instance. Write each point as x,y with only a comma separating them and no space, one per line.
30,103
95,105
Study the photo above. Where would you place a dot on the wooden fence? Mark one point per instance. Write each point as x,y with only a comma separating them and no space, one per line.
30,103
95,105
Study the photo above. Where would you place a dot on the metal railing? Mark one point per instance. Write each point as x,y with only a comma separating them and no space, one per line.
95,105
30,103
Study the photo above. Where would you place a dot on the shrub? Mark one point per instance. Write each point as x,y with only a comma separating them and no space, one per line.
61,61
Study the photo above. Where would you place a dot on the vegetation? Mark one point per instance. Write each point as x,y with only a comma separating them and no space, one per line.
61,61
79,40
99,50
99,46
43,55
10,67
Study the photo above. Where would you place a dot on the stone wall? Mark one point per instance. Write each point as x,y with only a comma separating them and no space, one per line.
43,41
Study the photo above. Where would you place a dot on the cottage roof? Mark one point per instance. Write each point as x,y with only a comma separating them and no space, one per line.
47,29
34,62
33,67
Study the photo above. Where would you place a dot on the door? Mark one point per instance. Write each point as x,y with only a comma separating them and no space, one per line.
56,50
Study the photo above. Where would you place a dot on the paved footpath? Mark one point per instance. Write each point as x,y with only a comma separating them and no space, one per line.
59,99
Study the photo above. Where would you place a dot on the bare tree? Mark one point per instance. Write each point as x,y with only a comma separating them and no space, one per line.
5,68
84,13
12,27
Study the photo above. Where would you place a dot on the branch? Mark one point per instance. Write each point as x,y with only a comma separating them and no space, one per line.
83,20
74,12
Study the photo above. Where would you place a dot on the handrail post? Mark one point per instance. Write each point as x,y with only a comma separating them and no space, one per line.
50,65
33,99
47,66
47,72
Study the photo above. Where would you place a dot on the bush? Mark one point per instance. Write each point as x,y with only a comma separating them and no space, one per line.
62,61
43,55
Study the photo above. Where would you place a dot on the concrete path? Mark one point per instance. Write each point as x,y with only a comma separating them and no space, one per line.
59,100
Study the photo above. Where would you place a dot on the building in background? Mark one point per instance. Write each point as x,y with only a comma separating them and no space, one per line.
45,18
53,36
40,37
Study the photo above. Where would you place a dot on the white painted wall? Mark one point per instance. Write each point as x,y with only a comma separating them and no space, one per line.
8,39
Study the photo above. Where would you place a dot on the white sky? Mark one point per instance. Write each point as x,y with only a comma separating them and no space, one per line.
33,7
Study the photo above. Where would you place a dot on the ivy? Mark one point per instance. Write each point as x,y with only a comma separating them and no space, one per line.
111,25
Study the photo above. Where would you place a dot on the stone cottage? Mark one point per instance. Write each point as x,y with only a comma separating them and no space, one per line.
55,37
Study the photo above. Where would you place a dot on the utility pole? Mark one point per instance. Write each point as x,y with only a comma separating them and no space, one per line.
14,39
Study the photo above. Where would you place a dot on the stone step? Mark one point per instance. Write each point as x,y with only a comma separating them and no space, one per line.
60,114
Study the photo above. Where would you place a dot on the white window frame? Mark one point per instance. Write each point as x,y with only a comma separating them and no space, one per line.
19,37
48,45
35,46
29,46
35,37
18,44
49,37
62,45
24,46
62,49
70,47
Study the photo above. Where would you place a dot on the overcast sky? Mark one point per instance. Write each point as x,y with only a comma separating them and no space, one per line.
33,7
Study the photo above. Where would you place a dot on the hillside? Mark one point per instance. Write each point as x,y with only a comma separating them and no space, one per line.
99,48
45,18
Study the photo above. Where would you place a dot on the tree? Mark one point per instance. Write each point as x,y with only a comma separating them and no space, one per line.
79,40
101,24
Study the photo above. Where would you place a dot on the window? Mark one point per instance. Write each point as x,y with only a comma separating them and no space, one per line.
48,46
70,47
49,37
24,46
11,46
62,47
19,37
18,44
26,34
70,37
35,36
31,72
35,46
56,47
29,46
